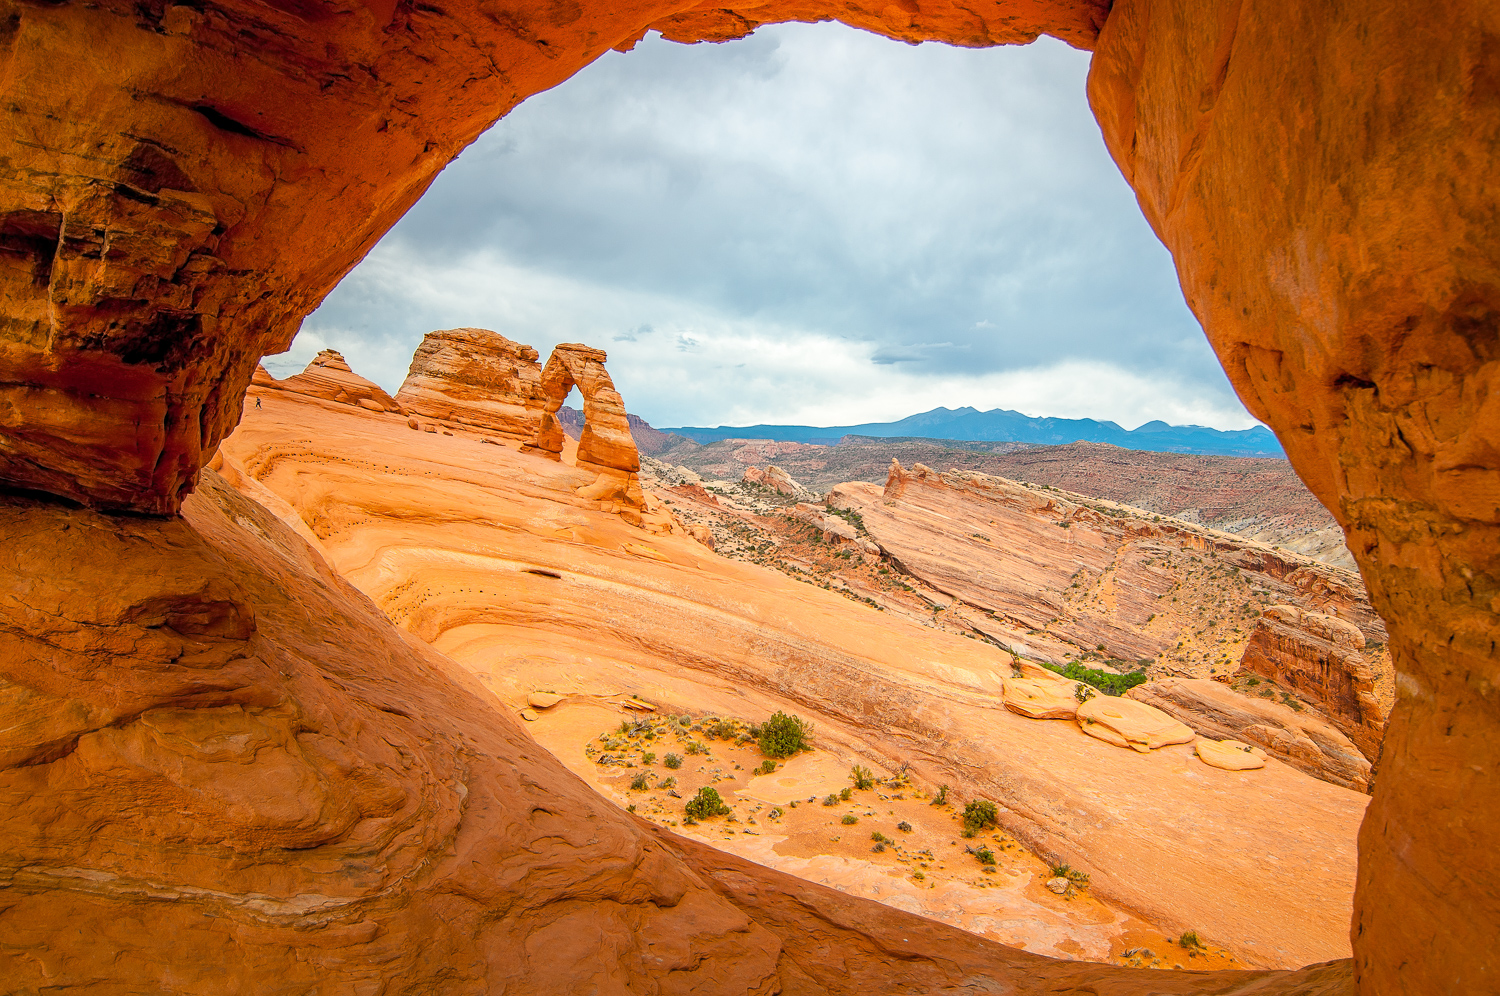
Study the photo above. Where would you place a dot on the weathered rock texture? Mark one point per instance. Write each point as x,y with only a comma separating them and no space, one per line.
1322,173
1300,739
605,444
329,377
476,379
1054,575
777,480
1319,656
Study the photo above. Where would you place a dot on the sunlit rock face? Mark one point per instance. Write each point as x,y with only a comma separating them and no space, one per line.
476,379
605,444
329,377
1323,174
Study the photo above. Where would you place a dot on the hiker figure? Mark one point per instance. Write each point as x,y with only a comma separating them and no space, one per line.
257,404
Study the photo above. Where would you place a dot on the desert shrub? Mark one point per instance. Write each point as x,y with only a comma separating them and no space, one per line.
980,814
904,827
849,819
766,767
775,813
1106,681
878,848
649,757
721,729
685,720
941,799
863,780
918,876
1252,681
705,804
1190,940
673,761
880,838
667,783
694,747
831,799
985,856
1082,693
1073,875
783,735
845,793
639,783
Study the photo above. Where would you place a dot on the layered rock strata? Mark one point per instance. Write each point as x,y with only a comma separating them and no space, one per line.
477,379
1319,656
1300,739
1055,575
330,377
777,480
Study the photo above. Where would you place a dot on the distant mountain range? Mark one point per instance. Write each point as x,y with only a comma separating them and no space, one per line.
971,424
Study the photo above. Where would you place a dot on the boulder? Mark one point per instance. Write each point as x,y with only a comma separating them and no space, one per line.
1128,723
543,700
1231,755
1039,698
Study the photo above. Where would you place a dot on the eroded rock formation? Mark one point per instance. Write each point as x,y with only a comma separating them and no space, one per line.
605,443
177,202
1319,656
330,377
476,379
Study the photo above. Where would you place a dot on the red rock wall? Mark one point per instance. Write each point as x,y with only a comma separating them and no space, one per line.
1319,657
1321,173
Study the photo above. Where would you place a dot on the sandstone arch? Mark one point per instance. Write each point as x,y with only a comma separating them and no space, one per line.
606,444
1322,172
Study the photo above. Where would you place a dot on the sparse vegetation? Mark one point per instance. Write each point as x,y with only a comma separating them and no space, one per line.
904,827
849,820
705,804
862,778
639,783
673,761
941,799
648,757
831,799
766,767
985,856
783,735
1191,941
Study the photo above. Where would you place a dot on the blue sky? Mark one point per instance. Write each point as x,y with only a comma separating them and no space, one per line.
812,225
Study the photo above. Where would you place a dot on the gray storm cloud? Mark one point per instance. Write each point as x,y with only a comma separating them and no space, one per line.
809,222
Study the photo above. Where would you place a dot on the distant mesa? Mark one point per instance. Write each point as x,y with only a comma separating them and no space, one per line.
329,377
970,424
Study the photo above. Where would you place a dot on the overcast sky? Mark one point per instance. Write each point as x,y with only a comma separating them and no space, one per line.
812,226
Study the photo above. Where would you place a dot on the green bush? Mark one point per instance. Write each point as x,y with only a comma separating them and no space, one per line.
694,747
941,799
639,783
863,780
980,814
648,757
721,729
1190,940
667,783
783,736
1106,681
849,819
673,761
766,767
831,799
705,804
985,856
904,827
845,793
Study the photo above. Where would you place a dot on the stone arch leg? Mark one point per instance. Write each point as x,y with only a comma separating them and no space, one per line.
1316,169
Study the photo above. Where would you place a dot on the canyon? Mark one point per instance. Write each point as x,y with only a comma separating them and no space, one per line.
183,668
